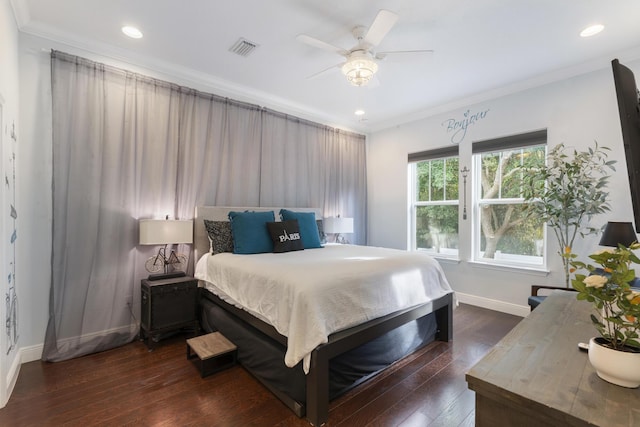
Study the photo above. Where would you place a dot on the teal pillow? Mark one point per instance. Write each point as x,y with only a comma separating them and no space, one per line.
308,227
250,234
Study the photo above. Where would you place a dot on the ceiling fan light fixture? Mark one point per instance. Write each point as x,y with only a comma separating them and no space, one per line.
359,69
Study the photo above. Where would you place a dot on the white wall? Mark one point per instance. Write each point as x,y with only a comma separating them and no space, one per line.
35,197
575,111
26,92
9,98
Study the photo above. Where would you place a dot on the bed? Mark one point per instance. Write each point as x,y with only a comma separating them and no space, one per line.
305,355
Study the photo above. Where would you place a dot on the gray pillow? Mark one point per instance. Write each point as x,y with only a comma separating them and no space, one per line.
323,237
220,236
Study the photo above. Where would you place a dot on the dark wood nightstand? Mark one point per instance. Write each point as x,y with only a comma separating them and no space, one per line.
167,305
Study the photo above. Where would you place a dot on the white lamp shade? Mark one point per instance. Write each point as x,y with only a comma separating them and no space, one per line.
165,231
337,225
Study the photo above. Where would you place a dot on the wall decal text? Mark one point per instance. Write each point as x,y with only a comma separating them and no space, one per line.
458,128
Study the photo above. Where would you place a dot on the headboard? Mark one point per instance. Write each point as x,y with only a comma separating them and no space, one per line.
221,213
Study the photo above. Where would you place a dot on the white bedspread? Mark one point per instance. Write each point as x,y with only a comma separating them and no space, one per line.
307,295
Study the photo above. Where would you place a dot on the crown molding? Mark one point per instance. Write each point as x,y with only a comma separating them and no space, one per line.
511,89
206,82
175,73
20,12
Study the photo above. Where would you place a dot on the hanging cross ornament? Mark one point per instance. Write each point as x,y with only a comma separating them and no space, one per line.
465,173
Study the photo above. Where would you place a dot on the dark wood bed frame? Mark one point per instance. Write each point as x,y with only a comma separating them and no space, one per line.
316,409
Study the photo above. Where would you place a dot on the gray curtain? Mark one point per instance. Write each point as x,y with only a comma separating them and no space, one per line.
126,146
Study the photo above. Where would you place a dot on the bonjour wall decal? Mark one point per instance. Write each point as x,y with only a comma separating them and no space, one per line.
458,127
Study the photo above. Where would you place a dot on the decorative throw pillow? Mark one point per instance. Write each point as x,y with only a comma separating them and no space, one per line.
220,236
323,237
285,236
308,227
250,234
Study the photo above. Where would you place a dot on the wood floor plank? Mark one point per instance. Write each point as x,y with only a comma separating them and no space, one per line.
374,393
132,386
456,413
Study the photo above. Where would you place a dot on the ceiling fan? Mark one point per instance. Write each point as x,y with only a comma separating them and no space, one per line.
361,61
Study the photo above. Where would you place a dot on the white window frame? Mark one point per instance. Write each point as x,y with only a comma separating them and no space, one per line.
516,261
414,204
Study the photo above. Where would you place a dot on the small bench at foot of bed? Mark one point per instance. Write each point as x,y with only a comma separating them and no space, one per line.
213,353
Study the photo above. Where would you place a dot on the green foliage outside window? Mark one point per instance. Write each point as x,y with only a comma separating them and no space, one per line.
505,228
437,219
437,227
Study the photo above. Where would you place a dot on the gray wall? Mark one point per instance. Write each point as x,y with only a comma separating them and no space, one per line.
575,111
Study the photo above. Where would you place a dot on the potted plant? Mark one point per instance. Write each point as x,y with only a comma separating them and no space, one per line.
615,354
567,192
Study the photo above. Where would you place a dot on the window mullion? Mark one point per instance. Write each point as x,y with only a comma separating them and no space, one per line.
444,179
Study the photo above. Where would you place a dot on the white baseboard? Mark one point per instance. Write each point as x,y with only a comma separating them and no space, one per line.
12,378
69,344
34,352
491,304
25,354
29,354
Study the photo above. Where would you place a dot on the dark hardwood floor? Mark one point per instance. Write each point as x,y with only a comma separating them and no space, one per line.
131,386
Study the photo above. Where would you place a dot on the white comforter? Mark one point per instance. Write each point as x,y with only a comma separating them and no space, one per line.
307,295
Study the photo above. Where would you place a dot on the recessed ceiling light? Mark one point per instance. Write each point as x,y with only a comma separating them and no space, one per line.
132,32
359,113
591,30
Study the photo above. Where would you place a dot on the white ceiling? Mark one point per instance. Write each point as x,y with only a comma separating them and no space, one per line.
483,48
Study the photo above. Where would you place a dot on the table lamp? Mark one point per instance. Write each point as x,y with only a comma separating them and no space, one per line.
616,233
165,232
338,225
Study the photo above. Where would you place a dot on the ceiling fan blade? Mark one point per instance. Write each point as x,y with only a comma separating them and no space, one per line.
312,41
385,20
313,76
383,55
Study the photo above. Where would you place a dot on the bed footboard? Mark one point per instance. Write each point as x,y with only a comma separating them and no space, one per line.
317,408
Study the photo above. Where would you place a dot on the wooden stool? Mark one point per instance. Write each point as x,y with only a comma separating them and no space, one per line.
213,353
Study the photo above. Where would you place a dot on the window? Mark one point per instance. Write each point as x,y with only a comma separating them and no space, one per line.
502,234
434,201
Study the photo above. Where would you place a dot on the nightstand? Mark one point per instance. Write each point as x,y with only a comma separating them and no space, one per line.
167,305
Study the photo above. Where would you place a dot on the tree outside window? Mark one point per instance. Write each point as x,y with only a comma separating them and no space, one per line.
504,233
435,206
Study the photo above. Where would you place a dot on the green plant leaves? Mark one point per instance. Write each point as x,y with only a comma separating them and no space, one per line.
568,192
616,303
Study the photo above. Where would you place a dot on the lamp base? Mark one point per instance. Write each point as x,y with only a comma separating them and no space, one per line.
170,275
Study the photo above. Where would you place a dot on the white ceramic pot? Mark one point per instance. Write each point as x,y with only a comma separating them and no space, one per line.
617,367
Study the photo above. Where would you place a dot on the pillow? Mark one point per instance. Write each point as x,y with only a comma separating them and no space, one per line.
323,237
250,234
285,236
308,227
220,236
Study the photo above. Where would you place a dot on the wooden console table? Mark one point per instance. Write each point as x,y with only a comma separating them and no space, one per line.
537,376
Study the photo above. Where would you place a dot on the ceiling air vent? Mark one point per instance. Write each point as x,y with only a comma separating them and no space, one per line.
243,47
